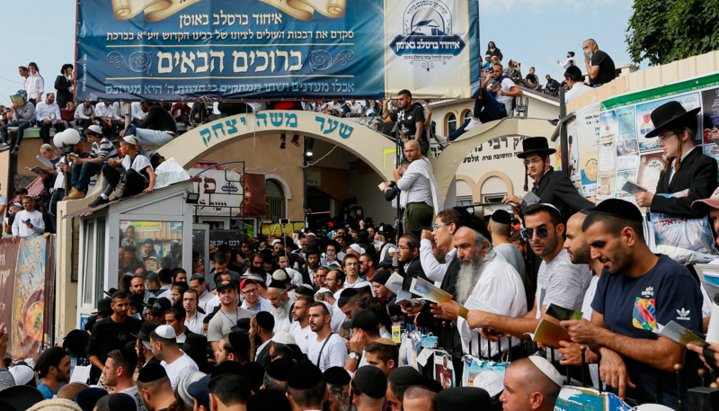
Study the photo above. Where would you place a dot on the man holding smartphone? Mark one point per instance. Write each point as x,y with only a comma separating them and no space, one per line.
28,222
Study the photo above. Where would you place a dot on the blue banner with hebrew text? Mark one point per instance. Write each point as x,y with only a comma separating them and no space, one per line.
169,50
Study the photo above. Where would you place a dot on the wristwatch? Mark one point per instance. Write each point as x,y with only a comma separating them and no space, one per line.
355,355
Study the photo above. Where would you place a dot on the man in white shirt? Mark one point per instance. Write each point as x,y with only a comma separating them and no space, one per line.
197,283
283,259
118,115
85,114
165,349
575,82
419,194
193,318
119,370
138,116
34,84
300,328
499,227
280,300
332,108
570,61
505,88
327,349
47,115
352,108
28,222
441,237
103,114
486,277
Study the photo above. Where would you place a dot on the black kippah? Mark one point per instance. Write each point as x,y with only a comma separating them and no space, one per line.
305,376
620,209
265,320
50,358
121,402
151,372
280,368
228,368
130,355
381,277
337,376
404,375
501,217
371,381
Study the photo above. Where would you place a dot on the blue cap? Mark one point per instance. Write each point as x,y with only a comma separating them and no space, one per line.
198,391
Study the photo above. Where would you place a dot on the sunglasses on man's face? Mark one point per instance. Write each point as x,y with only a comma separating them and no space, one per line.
528,233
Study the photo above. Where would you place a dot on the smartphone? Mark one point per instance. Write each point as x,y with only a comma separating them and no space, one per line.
404,299
382,186
26,221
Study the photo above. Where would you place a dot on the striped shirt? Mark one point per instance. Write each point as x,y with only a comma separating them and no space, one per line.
105,150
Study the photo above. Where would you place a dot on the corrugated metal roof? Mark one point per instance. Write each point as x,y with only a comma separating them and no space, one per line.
34,189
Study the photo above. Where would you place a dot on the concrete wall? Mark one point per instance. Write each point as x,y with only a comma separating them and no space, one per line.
364,186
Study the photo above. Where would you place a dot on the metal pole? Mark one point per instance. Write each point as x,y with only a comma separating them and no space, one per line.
305,164
563,132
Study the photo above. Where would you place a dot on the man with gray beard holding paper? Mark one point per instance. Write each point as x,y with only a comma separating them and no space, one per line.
486,281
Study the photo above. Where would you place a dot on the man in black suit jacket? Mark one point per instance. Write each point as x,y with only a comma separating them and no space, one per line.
552,187
63,85
689,169
408,257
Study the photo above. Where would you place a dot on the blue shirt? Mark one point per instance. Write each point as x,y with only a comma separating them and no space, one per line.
635,307
47,392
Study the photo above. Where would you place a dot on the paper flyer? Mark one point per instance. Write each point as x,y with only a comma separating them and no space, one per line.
625,118
550,334
683,336
622,178
650,170
428,291
605,186
573,142
563,314
609,127
710,117
588,120
607,153
712,150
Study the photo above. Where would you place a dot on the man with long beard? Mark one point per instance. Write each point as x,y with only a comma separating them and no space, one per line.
487,278
280,300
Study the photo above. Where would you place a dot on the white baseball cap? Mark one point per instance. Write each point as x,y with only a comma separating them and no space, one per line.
166,332
357,249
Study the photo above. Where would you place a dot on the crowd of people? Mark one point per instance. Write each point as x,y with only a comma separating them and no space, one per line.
327,320
599,67
338,319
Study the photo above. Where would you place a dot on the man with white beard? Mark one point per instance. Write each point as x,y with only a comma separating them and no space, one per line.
486,277
280,300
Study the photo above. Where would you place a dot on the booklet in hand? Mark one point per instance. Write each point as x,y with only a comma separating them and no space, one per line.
550,334
563,314
428,291
683,336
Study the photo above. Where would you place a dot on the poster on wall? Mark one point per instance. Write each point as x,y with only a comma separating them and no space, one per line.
650,169
588,122
605,186
610,126
27,276
625,120
627,154
710,117
607,155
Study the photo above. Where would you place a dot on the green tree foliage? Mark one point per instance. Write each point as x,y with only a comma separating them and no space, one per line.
663,31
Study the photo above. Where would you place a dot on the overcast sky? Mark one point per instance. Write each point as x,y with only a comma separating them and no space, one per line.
534,32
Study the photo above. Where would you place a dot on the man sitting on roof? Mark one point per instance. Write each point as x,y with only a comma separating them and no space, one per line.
83,169
139,176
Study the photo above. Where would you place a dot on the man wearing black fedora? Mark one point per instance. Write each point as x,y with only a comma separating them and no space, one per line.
676,129
550,186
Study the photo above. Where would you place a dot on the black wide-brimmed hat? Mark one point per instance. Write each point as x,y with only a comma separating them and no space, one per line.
670,114
535,145
76,343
